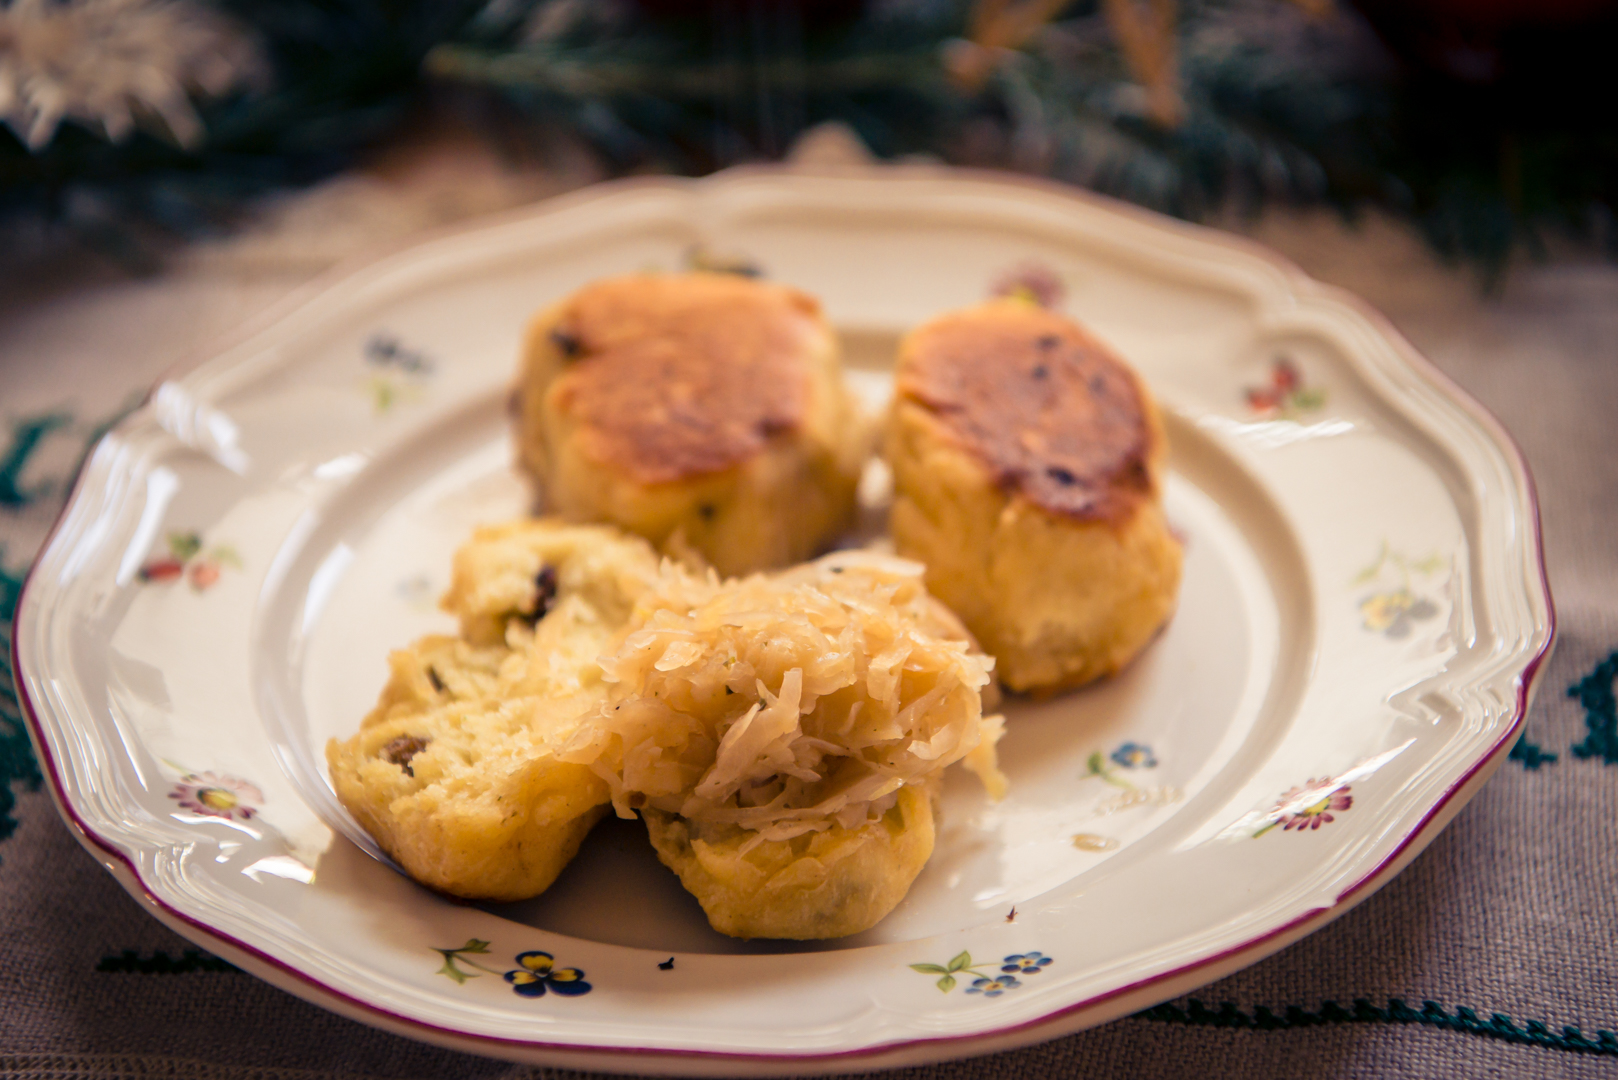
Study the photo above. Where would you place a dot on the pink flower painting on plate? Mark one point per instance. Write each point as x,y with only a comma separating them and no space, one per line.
1309,806
217,796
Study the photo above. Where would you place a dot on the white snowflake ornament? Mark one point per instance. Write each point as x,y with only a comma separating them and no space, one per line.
115,63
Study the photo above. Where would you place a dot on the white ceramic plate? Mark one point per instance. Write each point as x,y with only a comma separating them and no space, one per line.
1363,612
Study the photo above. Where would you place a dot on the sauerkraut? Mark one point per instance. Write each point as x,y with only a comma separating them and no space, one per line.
783,735
787,703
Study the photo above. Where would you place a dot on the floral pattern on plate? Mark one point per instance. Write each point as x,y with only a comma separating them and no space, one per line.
1131,756
186,558
1284,397
397,373
537,972
1399,601
987,983
535,975
1033,281
1309,806
215,795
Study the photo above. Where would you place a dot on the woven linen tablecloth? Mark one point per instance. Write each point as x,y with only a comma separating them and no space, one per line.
1494,954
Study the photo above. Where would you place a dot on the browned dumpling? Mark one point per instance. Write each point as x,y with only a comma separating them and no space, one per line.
705,412
1027,464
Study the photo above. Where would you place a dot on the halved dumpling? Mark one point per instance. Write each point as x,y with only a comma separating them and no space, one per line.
455,772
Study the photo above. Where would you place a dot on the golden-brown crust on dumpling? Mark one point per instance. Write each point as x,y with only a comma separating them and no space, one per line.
674,376
1051,413
705,412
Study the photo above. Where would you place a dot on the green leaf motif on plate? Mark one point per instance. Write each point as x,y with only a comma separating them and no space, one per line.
450,969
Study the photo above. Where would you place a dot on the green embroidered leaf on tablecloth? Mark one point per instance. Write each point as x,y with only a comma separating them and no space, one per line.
1530,755
1595,693
1431,1014
17,763
26,435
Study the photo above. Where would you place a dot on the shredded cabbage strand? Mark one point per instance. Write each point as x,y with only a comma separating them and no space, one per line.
788,703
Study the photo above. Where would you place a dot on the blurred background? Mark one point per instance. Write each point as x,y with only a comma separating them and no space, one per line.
170,170
132,128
